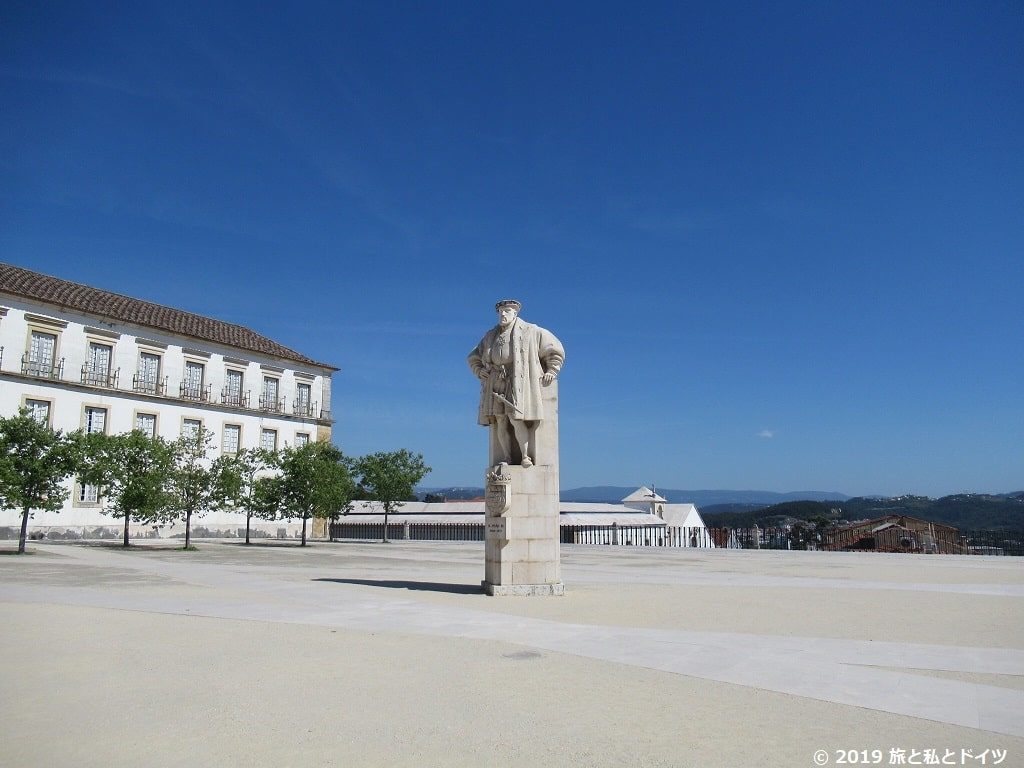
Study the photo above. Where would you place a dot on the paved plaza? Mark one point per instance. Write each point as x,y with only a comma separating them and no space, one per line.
353,654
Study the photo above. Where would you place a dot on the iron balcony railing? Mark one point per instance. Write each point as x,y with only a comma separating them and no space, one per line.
195,392
305,408
149,386
98,377
272,404
232,397
325,413
42,369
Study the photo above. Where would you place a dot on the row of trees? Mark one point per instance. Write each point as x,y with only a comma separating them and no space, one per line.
147,480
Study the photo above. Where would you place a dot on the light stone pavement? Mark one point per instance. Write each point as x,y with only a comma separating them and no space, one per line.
388,655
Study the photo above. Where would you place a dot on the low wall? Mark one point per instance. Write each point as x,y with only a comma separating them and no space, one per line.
261,530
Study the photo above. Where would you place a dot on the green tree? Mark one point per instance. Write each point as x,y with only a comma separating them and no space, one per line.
390,477
193,483
35,461
131,471
243,483
315,481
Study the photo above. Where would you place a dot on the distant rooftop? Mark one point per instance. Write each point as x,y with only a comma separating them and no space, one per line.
643,493
114,306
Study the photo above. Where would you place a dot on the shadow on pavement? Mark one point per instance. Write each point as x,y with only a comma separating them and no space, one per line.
165,545
426,586
265,544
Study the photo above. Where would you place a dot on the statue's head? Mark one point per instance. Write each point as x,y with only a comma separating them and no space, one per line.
508,311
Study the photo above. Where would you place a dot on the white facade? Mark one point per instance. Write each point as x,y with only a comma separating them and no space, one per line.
639,512
83,371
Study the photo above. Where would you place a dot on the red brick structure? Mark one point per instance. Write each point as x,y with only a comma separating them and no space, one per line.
895,533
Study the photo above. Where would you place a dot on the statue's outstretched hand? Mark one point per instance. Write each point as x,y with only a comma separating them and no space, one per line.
547,378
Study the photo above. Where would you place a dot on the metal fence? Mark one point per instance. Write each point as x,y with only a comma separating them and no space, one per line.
365,531
965,542
947,541
409,531
993,543
637,536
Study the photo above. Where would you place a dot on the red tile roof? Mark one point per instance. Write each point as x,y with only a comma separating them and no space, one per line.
113,306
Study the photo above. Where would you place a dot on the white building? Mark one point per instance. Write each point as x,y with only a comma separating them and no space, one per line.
643,516
674,515
81,357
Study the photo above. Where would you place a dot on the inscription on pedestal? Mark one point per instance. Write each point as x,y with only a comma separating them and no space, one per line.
497,529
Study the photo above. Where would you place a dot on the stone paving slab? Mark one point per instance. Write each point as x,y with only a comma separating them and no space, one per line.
423,598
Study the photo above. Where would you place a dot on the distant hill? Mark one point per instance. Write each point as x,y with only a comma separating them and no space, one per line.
454,493
973,511
730,509
964,510
967,511
611,494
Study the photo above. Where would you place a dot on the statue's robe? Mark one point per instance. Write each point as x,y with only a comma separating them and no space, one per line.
535,351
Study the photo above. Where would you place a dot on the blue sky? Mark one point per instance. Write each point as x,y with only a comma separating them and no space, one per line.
783,244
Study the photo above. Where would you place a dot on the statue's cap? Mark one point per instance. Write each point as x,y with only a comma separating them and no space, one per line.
509,303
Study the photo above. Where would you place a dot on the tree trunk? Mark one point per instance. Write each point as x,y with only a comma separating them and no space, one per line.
126,518
188,529
248,517
384,540
303,531
24,531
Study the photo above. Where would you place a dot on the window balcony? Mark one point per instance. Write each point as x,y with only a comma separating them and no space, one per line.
305,409
42,369
272,404
237,399
149,386
99,377
195,393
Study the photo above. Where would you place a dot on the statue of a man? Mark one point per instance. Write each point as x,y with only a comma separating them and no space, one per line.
513,361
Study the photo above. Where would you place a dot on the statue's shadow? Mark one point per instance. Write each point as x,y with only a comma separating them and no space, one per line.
419,586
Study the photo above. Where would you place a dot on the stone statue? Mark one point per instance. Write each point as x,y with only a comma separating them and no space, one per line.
513,361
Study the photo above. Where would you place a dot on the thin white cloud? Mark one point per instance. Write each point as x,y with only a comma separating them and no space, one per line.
767,434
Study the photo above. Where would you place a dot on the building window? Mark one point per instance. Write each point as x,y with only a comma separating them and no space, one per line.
301,439
268,439
232,436
41,351
88,494
303,399
95,420
190,427
233,388
96,370
146,424
148,378
39,410
192,386
269,399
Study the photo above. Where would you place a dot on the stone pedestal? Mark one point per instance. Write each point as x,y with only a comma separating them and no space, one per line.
521,520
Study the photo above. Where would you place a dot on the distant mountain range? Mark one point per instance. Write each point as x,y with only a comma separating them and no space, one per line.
968,511
613,494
